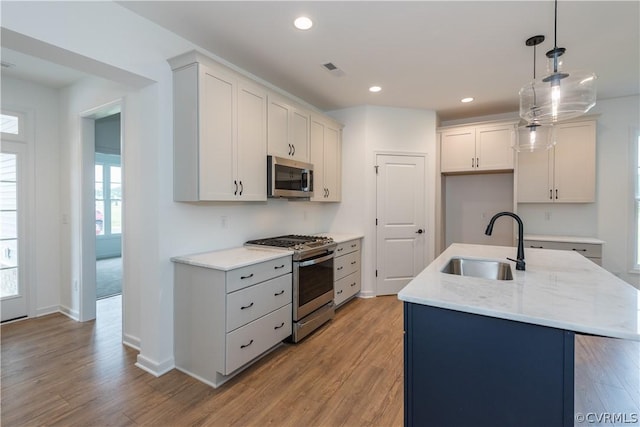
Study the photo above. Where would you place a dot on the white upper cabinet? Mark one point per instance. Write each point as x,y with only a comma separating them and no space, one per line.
220,129
477,148
287,129
326,149
564,174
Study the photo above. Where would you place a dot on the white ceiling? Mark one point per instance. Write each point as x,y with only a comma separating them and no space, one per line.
424,54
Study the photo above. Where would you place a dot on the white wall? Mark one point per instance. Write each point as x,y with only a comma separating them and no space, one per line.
470,202
370,130
41,106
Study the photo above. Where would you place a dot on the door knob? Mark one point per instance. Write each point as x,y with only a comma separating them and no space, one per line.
420,231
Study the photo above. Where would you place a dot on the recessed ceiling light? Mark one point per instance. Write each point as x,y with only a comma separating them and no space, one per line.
465,100
303,23
375,89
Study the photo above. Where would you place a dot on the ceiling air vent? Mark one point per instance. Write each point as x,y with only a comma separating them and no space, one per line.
333,69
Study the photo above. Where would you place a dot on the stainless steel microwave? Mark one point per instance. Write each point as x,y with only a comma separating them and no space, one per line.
289,178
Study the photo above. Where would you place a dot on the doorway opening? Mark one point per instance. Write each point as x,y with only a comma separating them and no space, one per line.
100,198
108,206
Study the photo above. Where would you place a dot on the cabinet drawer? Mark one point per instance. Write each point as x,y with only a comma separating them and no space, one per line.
250,275
345,265
250,341
250,303
346,287
589,250
347,247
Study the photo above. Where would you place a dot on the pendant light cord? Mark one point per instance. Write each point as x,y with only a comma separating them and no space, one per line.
555,37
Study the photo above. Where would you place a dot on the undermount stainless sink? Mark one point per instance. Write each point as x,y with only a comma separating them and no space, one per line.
485,269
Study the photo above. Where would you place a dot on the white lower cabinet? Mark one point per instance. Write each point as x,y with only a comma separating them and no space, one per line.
225,320
250,341
346,271
590,248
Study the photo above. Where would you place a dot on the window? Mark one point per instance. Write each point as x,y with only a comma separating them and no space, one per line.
12,126
8,225
108,194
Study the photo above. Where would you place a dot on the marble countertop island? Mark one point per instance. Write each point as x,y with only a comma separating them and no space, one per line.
559,289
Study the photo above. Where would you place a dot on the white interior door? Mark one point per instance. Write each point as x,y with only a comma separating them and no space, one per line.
400,216
14,289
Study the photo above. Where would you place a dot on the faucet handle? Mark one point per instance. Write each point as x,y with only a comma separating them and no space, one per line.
520,264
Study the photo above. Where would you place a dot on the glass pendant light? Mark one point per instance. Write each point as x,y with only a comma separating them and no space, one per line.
533,135
561,95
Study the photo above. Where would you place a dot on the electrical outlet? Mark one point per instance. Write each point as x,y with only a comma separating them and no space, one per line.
224,222
304,215
75,285
547,216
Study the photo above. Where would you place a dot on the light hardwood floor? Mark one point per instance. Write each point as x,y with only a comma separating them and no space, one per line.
59,372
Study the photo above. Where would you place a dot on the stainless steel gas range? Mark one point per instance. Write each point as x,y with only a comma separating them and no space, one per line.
312,279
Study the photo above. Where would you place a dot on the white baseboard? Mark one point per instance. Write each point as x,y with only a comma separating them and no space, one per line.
366,294
73,314
131,341
155,368
44,311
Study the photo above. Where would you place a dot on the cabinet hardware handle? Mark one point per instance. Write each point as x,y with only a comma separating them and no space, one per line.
556,194
353,262
236,184
354,245
278,267
278,327
536,247
278,293
339,292
550,194
477,162
246,306
246,277
294,150
241,188
289,149
579,250
339,249
353,284
339,268
473,163
246,345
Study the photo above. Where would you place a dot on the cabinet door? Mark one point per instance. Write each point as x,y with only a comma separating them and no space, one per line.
332,164
316,157
493,148
458,151
535,177
299,134
278,128
252,142
575,162
217,136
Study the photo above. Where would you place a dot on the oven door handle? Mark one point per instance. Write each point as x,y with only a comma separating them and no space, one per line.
315,260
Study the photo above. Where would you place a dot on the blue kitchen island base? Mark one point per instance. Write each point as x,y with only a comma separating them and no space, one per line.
464,369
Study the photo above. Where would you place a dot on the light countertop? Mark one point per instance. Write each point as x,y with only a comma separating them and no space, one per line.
341,237
563,239
560,289
230,259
